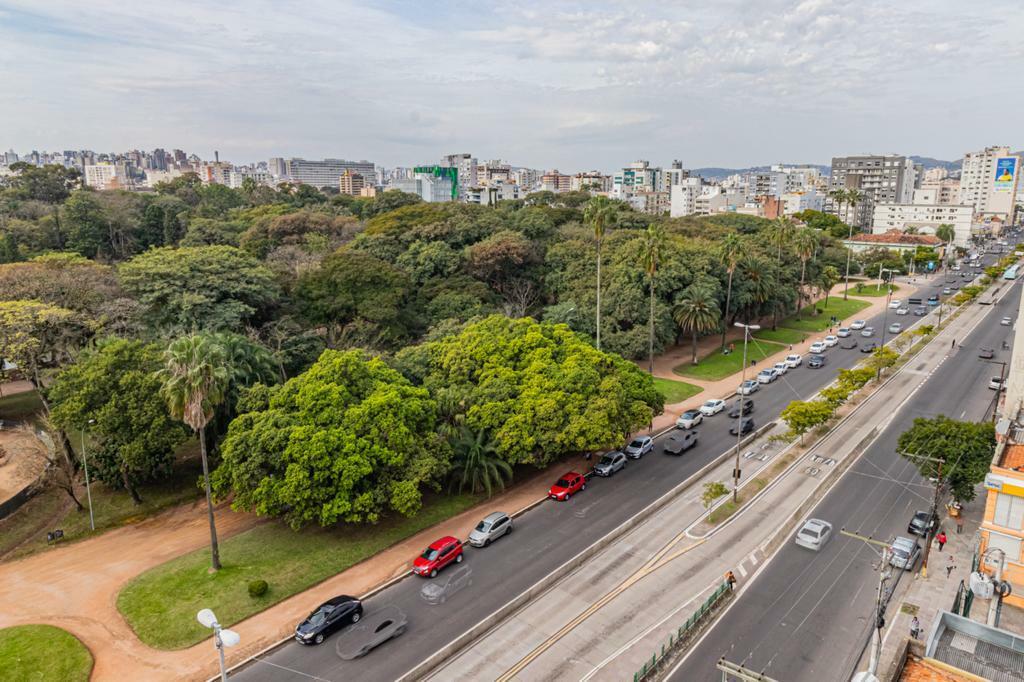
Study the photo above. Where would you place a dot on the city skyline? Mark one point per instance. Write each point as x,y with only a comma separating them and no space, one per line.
573,87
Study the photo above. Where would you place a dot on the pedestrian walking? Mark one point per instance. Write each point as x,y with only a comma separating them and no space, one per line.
915,628
953,345
960,523
950,567
941,539
731,579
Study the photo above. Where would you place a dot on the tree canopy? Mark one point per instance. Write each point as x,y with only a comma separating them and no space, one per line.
966,447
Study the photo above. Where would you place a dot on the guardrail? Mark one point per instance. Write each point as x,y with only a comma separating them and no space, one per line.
684,632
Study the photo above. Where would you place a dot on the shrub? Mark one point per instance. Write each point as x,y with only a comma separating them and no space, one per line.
258,588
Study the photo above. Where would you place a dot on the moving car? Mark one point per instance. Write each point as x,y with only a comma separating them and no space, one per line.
904,553
793,360
997,384
947,291
689,419
439,591
922,523
742,426
831,341
843,332
747,387
814,534
746,404
680,442
569,483
439,554
867,331
895,304
895,328
920,311
986,353
868,346
933,300
817,347
376,628
493,526
712,407
849,344
903,311
328,618
767,376
780,368
817,362
1006,321
610,463
639,447
858,325
914,301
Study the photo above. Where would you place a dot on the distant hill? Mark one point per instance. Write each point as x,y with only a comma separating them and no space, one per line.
929,162
715,173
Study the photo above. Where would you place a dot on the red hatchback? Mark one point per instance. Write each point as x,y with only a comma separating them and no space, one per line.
442,552
568,484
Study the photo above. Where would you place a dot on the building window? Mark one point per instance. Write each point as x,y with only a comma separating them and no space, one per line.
1009,512
1004,542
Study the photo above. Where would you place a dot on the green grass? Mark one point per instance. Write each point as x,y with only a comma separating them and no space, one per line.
836,306
161,604
871,290
675,391
780,335
42,653
717,366
29,521
20,405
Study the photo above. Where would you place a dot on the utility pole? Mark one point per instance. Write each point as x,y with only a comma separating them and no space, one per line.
883,576
730,670
999,391
739,424
935,511
993,605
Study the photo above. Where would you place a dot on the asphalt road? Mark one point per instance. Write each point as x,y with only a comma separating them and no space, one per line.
807,615
544,538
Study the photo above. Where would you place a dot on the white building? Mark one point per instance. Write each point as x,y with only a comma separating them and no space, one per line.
494,192
988,182
683,197
637,177
321,173
943,191
802,200
925,218
466,165
431,188
238,175
106,176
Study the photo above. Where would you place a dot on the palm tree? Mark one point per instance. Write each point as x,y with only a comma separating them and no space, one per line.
947,234
760,284
653,251
828,278
780,233
477,462
805,242
600,213
852,197
733,250
195,380
838,195
697,312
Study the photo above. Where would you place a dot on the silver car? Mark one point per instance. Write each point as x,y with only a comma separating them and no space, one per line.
904,553
440,591
814,534
610,463
639,446
490,529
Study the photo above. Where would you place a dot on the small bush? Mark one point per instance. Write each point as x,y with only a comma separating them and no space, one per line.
258,588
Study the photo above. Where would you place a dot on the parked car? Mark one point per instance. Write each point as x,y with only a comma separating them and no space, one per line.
570,482
831,341
867,332
986,353
920,311
843,332
849,344
767,376
814,534
997,384
904,553
712,407
817,361
780,368
946,291
857,325
689,419
680,442
492,527
933,300
793,360
639,446
1006,321
895,304
922,523
817,347
895,328
439,554
914,301
609,463
377,628
903,311
742,426
746,405
328,618
747,387
868,346
440,591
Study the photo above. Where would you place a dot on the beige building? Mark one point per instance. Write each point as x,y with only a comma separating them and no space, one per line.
988,182
351,183
944,191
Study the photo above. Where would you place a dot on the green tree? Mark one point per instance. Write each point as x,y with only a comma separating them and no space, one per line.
712,491
881,358
600,213
34,335
88,230
966,448
838,195
61,279
653,253
828,277
199,287
697,313
51,183
477,463
804,242
803,415
733,250
193,381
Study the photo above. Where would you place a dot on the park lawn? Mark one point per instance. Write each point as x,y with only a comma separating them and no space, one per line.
20,405
836,306
872,290
675,391
161,604
43,653
718,366
780,335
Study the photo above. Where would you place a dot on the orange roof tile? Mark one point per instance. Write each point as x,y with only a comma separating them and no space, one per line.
897,237
918,670
1013,456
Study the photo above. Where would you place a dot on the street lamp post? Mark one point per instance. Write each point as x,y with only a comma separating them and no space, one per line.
1002,378
739,424
85,465
222,637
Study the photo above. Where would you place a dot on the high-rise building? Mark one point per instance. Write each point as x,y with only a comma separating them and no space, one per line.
942,191
277,167
881,179
988,182
553,181
637,177
591,181
431,183
323,173
351,183
107,176
466,166
493,172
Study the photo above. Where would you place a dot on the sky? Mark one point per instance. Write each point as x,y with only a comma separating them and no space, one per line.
566,85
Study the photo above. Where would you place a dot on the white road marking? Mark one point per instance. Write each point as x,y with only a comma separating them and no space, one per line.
753,559
743,571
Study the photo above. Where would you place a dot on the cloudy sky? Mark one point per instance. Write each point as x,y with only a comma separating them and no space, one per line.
547,84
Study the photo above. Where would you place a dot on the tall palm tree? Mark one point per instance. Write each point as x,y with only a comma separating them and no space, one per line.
653,250
600,213
697,312
852,197
780,234
947,234
733,250
195,380
805,242
838,195
760,284
477,463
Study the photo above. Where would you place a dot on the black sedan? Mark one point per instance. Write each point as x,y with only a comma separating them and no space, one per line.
868,347
328,618
742,426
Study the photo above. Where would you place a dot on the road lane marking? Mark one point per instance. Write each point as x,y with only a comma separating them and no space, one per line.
753,559
743,571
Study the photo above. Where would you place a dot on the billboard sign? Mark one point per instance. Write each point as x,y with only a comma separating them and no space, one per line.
1006,171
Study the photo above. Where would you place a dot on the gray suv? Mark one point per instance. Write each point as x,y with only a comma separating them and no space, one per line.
610,463
491,528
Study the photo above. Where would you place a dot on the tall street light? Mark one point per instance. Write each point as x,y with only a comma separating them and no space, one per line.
85,464
222,637
739,424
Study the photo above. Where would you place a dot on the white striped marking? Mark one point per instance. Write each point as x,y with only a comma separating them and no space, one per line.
743,571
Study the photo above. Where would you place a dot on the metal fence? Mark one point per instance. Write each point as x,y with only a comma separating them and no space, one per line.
682,632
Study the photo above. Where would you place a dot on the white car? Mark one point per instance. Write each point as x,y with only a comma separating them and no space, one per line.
903,311
1006,321
858,324
831,341
689,419
712,407
780,368
814,534
793,360
747,387
767,376
867,332
817,347
997,384
895,304
843,332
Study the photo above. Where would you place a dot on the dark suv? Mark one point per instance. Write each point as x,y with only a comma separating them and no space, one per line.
742,426
678,443
922,524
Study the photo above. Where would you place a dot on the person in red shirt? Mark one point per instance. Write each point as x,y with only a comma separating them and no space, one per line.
941,539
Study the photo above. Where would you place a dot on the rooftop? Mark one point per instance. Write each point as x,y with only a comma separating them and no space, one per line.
975,648
1013,457
917,669
897,237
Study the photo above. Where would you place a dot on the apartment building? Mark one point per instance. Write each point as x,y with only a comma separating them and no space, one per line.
881,179
321,173
925,218
466,165
351,183
988,182
431,183
944,191
553,181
